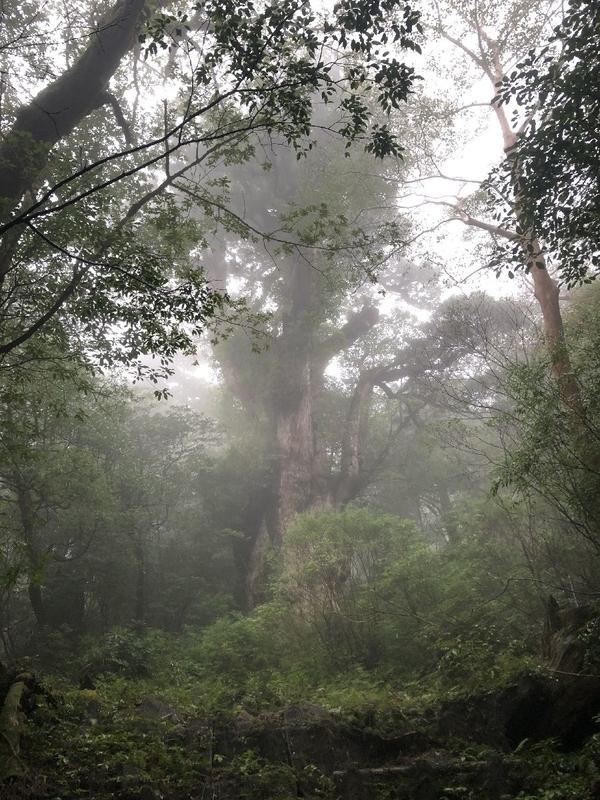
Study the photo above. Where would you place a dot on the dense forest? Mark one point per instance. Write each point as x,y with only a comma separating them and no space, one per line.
300,399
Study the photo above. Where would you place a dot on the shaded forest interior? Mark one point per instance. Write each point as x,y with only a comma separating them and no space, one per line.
293,501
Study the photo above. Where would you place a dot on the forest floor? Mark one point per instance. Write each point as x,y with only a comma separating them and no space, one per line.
536,738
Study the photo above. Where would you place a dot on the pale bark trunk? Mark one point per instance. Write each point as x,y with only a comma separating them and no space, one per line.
546,292
545,289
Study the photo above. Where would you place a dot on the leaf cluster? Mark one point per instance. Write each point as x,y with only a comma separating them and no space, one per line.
555,163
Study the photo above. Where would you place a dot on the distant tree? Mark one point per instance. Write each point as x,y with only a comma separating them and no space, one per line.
334,230
104,512
435,398
56,498
158,468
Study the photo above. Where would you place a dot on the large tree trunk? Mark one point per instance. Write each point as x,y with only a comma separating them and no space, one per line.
296,363
62,105
289,405
293,398
296,452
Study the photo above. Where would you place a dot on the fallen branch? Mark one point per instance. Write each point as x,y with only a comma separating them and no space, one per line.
11,722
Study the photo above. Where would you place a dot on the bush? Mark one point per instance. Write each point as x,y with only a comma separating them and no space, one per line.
121,652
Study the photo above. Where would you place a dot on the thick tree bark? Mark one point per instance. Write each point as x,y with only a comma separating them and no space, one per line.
60,107
292,397
296,363
11,726
289,404
13,722
256,572
295,441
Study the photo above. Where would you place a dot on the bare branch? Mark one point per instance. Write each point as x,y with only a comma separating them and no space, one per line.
471,53
496,230
111,100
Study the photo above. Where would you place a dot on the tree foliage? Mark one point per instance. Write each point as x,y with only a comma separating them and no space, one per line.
557,153
105,518
344,491
546,455
96,247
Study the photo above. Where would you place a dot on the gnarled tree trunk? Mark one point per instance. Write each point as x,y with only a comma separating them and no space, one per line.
296,363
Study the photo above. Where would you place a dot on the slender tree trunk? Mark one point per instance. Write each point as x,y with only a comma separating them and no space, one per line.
546,292
36,600
351,460
140,581
26,513
450,526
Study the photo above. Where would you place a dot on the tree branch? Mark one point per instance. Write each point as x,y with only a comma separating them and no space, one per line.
111,100
358,325
66,293
59,108
471,53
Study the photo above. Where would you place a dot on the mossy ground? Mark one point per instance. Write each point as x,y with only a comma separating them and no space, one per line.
386,745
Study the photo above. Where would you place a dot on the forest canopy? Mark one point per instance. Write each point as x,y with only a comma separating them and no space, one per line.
99,173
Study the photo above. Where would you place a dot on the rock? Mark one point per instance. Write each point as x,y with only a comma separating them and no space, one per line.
152,708
562,648
86,682
244,722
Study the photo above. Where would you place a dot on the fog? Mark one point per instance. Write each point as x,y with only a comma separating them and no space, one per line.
298,396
